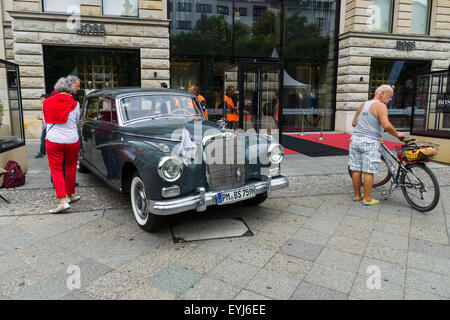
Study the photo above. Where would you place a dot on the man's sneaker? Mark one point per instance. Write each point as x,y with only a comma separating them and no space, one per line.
39,155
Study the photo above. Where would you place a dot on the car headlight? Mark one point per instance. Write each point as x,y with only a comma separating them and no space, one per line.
170,168
275,153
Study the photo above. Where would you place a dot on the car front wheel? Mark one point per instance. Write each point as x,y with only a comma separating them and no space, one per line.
139,204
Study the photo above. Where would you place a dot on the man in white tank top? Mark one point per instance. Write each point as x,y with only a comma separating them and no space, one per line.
365,144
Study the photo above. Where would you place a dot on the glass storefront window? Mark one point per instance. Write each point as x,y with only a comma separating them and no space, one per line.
240,30
11,117
432,108
420,14
61,6
381,15
257,30
199,32
401,75
125,8
96,68
309,64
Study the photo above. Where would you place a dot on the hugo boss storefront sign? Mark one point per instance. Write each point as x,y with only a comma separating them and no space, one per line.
443,103
91,29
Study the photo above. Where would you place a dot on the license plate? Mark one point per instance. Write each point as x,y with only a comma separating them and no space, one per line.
236,195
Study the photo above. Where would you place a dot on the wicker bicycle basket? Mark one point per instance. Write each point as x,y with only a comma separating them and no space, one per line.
420,150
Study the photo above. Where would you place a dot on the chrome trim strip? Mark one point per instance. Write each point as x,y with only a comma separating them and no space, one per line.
149,137
201,200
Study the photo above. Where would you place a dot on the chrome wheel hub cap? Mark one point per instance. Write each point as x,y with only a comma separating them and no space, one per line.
140,200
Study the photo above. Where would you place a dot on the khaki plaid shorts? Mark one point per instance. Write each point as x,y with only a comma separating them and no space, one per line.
364,154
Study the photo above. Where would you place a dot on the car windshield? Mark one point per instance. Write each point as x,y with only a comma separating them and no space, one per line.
145,106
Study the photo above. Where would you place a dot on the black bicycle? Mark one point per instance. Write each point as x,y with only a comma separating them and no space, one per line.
418,183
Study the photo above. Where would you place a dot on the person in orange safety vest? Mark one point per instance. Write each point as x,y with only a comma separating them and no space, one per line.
194,90
230,108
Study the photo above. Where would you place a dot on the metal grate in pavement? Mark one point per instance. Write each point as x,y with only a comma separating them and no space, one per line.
208,229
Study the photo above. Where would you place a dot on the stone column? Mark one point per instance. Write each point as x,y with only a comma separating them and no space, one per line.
440,22
402,17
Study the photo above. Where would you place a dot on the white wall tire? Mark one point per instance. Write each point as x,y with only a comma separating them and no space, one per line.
139,200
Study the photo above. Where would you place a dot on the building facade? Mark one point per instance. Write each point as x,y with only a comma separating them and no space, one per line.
106,43
389,41
334,53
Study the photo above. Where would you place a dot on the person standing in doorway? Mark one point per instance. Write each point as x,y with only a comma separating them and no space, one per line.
230,108
365,143
42,153
62,114
194,90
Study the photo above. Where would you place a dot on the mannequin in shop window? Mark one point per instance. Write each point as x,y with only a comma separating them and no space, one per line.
311,100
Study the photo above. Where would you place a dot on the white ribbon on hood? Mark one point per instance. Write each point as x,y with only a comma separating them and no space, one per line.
188,147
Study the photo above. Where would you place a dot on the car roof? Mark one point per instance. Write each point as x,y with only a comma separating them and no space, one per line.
125,91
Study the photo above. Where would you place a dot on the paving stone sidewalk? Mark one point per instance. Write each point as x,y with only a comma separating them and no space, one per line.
321,246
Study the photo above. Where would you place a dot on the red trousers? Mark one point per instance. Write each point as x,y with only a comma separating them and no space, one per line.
56,153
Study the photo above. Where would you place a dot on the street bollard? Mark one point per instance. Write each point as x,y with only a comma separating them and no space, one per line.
303,123
321,138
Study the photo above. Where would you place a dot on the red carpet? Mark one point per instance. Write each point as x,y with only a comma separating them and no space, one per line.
338,140
289,151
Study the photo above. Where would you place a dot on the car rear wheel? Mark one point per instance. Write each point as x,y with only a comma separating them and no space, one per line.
260,198
139,203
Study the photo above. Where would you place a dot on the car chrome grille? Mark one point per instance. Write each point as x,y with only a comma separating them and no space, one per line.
226,171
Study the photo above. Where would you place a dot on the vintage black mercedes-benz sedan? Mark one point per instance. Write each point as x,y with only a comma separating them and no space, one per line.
157,146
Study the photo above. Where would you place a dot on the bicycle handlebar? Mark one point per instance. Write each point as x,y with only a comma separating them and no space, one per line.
406,141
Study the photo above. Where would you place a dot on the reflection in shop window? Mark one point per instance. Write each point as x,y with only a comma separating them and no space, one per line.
401,75
420,14
242,12
223,10
381,15
63,6
206,8
126,8
184,25
258,11
320,22
184,7
199,56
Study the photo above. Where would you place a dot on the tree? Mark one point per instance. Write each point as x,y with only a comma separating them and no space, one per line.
303,39
210,35
213,36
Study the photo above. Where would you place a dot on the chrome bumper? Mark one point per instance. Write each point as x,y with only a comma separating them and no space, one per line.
202,199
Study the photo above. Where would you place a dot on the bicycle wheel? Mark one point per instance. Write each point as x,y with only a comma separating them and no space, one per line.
420,187
380,178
